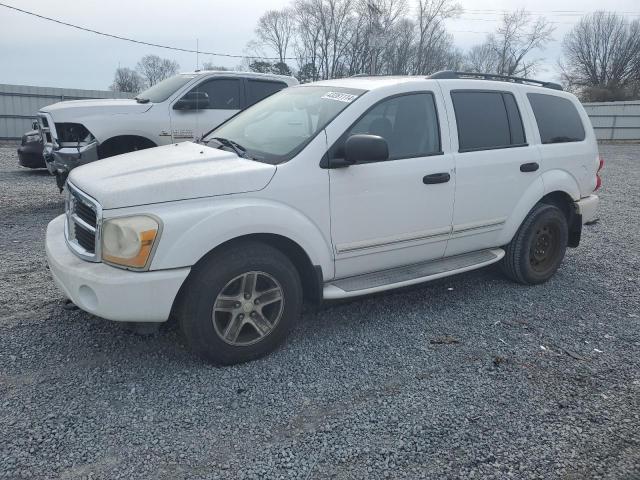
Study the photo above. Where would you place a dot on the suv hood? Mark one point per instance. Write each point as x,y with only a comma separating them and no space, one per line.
73,109
173,172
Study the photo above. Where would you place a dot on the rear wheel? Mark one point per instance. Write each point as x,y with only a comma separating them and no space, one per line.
538,247
240,303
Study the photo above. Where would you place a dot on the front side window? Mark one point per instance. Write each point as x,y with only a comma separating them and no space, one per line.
280,126
487,120
260,89
557,118
409,124
222,93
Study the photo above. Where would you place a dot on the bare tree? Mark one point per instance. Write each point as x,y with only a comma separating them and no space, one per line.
127,80
481,59
334,38
308,30
155,69
212,66
275,29
507,52
379,28
602,57
432,36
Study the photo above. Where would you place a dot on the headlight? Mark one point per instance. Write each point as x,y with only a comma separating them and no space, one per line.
128,241
73,134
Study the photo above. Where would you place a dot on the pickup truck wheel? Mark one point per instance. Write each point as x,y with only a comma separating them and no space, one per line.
240,303
538,247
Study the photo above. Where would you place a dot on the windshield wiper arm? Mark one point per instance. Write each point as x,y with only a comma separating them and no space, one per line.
236,147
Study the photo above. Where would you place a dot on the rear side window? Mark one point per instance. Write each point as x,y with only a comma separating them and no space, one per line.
487,120
260,89
557,118
409,124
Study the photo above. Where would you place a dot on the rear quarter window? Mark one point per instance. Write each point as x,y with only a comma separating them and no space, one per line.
557,118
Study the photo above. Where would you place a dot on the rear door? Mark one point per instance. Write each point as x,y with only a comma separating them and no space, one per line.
495,164
225,98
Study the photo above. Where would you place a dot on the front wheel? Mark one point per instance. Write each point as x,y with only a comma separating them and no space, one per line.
240,303
538,247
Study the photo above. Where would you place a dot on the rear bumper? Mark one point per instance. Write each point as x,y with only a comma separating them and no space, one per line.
588,208
109,292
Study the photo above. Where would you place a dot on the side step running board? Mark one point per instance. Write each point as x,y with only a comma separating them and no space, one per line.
409,274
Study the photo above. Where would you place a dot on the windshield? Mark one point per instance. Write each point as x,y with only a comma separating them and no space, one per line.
164,89
280,126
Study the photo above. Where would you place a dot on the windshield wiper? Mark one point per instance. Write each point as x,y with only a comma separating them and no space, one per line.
236,147
141,99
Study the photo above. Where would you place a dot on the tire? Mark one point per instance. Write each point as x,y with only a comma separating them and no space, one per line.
538,247
240,328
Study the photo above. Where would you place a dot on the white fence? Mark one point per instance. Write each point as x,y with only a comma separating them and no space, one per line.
20,103
615,120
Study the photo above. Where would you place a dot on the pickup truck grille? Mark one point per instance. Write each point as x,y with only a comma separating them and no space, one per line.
83,224
86,213
45,126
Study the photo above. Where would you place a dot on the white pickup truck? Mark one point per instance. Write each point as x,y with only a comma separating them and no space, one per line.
324,191
180,108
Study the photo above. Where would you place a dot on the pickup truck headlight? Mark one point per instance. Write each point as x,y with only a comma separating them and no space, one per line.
73,134
128,241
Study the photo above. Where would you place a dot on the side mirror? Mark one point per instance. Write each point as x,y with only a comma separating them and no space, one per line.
363,148
35,125
192,101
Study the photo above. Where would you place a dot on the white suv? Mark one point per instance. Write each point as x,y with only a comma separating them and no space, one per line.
325,191
180,108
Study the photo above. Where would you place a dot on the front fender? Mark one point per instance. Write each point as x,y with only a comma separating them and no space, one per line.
190,233
548,182
118,126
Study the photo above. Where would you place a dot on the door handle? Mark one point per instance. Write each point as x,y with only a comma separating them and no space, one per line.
529,167
443,177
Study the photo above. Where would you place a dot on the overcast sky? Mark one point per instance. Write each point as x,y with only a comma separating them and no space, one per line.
38,52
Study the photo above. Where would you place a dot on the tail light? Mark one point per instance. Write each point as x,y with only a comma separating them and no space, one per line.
598,179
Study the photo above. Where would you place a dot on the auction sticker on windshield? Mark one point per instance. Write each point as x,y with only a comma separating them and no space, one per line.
341,97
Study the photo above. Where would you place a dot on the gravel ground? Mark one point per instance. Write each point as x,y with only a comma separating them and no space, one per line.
467,377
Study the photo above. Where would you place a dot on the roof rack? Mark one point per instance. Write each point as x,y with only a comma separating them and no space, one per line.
449,74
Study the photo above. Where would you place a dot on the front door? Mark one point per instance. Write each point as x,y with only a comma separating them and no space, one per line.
395,212
220,98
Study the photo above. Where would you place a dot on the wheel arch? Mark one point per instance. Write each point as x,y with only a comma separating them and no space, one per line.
566,204
133,140
310,274
561,193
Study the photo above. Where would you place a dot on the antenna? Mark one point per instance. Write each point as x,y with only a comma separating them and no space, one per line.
197,54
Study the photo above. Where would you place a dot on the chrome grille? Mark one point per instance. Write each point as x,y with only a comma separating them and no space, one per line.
83,224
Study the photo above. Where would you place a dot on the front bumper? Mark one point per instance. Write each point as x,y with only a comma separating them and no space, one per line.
588,208
61,161
109,292
30,155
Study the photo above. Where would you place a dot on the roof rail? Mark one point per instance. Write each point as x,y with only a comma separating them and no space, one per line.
449,74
